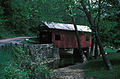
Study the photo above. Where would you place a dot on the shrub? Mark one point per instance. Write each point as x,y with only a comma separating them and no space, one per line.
16,63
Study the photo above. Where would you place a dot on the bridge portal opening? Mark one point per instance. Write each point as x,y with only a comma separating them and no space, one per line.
45,37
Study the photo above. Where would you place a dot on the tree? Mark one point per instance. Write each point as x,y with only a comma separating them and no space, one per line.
94,29
22,16
111,22
77,36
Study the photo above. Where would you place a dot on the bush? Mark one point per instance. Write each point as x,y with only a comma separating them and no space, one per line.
16,63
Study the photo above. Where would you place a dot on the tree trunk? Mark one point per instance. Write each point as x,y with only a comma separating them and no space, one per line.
78,39
107,62
92,47
96,50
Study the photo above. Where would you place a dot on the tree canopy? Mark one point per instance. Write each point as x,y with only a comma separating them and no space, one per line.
21,17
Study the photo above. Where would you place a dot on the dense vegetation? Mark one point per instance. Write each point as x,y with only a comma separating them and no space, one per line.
97,69
16,63
21,17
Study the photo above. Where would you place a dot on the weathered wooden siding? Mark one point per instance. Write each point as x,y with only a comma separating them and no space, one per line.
68,39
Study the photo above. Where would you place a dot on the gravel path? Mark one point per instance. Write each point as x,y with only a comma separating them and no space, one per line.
71,72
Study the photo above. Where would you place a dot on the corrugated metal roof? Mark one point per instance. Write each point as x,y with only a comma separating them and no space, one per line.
61,26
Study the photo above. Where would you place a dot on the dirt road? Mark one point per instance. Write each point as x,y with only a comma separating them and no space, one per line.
13,40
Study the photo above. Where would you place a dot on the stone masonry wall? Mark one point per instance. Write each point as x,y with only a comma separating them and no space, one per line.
39,52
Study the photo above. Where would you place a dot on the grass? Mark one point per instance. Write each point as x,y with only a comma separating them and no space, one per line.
96,68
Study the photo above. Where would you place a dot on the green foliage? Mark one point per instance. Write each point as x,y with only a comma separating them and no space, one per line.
110,50
97,69
12,71
23,16
108,22
16,63
107,32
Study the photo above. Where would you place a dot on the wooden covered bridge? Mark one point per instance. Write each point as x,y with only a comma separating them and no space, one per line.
63,35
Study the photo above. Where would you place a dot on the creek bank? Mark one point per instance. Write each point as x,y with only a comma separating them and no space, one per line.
71,72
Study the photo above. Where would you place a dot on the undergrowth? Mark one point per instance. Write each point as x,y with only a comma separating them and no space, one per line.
96,68
16,63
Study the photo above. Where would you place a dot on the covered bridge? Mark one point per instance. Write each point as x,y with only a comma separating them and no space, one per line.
63,35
